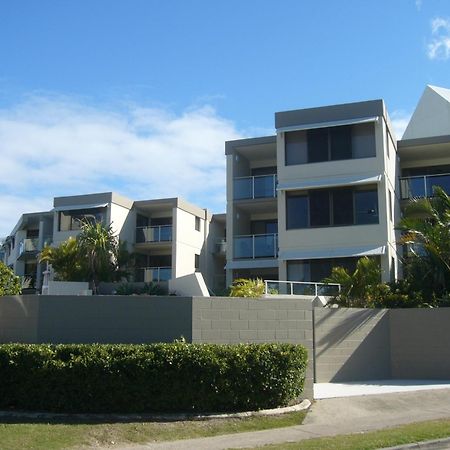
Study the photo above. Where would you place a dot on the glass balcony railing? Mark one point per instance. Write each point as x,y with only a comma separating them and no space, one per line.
422,186
221,246
273,287
160,233
256,246
261,186
153,274
28,245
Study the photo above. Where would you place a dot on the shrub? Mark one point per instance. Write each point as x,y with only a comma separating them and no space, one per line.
10,284
150,378
243,287
134,289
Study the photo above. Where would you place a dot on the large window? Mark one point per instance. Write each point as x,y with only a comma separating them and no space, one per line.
332,207
330,144
72,220
315,270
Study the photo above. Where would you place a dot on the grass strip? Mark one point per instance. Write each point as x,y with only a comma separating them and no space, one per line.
405,434
57,436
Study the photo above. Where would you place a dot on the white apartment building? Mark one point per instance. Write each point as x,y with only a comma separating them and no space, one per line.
325,190
171,238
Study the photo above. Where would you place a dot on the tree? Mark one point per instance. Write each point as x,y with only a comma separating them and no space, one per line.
66,260
243,287
10,284
356,287
95,255
426,229
98,244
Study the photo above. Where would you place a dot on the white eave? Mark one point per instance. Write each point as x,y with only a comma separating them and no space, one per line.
252,264
75,207
335,123
329,182
343,252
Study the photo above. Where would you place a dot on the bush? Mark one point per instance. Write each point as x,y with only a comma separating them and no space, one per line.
243,287
10,284
135,289
150,378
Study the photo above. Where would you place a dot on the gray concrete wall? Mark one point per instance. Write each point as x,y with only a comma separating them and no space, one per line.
420,340
232,320
351,344
103,319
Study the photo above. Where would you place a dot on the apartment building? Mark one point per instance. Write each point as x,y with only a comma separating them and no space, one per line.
170,237
325,190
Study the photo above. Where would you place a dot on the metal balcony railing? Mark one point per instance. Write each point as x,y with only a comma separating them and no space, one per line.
273,287
160,233
153,274
256,246
260,186
422,186
28,245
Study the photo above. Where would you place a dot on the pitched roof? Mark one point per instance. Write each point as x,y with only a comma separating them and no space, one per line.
431,116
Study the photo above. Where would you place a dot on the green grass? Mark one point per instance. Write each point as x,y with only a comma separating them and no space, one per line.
405,434
56,436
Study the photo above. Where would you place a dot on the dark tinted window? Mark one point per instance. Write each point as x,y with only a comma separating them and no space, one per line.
318,145
296,151
341,143
366,207
296,211
319,208
343,207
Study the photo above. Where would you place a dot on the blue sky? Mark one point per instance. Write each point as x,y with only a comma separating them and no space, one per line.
138,96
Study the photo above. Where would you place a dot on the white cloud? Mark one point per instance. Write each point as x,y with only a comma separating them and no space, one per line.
439,46
58,146
400,120
419,5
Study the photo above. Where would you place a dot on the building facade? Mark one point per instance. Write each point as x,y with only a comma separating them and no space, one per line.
327,189
170,237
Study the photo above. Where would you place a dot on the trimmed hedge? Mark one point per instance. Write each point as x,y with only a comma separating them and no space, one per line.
176,377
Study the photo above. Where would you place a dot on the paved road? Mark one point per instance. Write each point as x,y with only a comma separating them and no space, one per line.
329,417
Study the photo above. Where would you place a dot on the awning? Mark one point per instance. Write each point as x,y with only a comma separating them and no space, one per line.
335,123
75,207
329,182
343,252
252,264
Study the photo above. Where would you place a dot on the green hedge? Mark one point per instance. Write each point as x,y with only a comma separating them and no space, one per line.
150,378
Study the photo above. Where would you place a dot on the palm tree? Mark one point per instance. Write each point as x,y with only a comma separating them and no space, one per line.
99,245
426,228
65,260
356,287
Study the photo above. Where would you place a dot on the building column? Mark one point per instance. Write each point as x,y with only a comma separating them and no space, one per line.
40,247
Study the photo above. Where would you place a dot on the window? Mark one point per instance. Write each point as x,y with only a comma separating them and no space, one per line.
197,223
390,207
197,262
297,215
330,144
296,149
331,207
366,207
315,270
72,219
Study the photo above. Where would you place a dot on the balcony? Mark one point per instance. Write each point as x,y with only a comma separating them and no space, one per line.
220,247
422,186
28,246
256,246
153,274
260,186
160,233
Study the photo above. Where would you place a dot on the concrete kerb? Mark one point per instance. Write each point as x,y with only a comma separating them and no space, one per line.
302,406
437,444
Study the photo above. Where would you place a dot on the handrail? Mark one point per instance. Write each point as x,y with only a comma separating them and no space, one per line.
317,287
424,188
253,193
254,247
